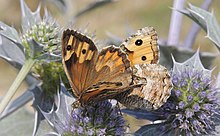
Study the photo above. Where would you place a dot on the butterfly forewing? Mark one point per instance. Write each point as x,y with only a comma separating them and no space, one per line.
79,55
91,73
113,74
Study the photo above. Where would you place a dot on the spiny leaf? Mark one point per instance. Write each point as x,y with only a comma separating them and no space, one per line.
60,115
207,21
17,103
192,63
11,34
182,54
29,18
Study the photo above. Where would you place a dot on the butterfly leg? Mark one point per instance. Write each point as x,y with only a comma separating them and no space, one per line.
76,104
118,106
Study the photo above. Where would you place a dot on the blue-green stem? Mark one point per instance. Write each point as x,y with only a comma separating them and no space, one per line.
17,82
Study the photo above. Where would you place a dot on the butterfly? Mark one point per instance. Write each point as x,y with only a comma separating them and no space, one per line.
127,73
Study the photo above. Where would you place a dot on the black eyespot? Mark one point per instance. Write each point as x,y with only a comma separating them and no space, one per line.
138,42
69,47
83,51
143,58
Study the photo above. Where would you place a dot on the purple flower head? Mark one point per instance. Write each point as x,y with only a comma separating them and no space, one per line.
190,98
100,111
178,93
202,116
211,96
179,117
72,128
206,81
95,120
207,107
74,116
80,130
98,121
171,106
197,126
185,125
196,107
101,132
90,132
114,113
202,95
189,113
194,99
86,119
185,74
175,80
183,83
111,124
181,104
196,85
191,74
77,111
197,75
119,131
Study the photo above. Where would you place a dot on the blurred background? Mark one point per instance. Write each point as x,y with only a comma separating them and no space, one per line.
119,17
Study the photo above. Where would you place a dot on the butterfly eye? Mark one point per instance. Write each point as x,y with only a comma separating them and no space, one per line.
143,58
138,42
83,51
68,47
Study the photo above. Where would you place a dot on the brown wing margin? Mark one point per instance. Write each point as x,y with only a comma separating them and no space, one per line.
78,56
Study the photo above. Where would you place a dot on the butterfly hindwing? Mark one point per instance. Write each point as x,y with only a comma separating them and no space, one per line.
142,47
143,53
154,93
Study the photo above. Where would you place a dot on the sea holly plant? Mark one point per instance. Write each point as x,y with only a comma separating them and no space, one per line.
193,107
102,118
35,52
37,44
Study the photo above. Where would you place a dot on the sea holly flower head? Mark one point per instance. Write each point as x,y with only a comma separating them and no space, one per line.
46,33
39,38
195,105
34,49
100,119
